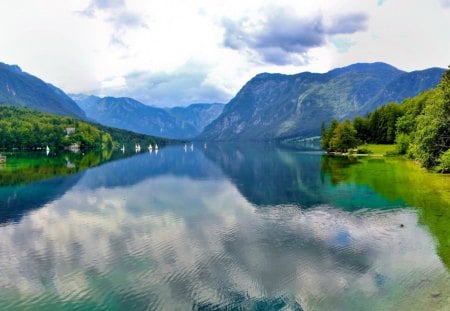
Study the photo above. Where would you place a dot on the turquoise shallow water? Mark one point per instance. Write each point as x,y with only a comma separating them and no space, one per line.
223,228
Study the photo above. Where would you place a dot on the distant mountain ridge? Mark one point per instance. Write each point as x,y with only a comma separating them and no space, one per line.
130,114
198,115
268,107
18,88
276,106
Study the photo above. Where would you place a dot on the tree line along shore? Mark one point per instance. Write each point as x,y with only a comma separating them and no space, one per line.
419,127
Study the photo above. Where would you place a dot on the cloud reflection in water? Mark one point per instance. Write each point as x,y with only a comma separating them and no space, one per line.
174,240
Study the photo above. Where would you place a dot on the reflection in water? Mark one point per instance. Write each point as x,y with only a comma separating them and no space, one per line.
397,179
26,167
172,232
17,200
29,180
267,175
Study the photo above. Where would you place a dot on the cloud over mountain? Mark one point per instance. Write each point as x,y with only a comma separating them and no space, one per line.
90,46
187,85
283,37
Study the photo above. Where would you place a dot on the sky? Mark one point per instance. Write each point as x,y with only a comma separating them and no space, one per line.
177,52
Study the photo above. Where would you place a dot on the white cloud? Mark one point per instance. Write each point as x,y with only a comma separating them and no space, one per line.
116,38
409,35
115,83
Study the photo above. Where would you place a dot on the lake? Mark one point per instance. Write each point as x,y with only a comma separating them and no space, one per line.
227,227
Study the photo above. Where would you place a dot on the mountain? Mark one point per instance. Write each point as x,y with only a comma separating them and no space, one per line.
18,88
276,106
127,113
198,115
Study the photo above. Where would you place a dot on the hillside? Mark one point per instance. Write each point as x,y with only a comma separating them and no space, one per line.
18,88
197,115
23,128
275,106
127,113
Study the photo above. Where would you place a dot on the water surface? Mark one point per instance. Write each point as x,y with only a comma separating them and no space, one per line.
227,227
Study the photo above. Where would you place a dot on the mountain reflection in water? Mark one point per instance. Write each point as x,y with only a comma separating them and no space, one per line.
244,227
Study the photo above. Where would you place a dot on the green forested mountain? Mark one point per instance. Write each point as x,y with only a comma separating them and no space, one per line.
127,113
23,128
275,106
420,126
18,88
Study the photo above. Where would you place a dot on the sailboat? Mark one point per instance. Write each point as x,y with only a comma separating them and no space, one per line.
123,148
185,147
156,146
47,150
192,147
150,147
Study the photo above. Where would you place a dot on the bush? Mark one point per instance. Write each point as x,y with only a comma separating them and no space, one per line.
363,151
444,162
402,141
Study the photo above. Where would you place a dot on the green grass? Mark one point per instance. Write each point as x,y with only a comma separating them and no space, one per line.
376,149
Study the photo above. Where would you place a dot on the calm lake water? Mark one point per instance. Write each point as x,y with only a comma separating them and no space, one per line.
229,227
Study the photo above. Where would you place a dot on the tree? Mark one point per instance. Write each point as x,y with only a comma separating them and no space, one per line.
327,134
382,123
444,85
432,134
344,137
361,126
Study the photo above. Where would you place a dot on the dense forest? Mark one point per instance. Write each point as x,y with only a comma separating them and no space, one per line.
25,129
419,126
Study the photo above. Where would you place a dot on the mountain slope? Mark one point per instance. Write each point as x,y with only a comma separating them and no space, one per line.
129,114
198,115
18,88
275,106
408,84
28,129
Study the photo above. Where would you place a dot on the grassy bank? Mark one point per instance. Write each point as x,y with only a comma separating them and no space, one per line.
378,149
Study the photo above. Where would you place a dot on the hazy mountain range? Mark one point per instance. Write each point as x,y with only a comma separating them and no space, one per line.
19,88
275,106
127,113
268,107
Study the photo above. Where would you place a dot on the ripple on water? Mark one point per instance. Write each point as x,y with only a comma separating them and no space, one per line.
141,245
